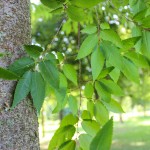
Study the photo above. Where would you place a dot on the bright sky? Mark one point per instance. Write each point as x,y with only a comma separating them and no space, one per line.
35,1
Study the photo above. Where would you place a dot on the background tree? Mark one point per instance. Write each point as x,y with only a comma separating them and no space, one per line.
18,127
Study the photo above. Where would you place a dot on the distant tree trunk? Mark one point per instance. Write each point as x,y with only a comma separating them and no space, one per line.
120,118
18,128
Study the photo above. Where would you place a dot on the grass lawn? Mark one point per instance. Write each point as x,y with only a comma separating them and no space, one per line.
134,134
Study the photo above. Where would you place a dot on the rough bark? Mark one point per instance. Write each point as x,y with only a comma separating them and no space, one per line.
19,127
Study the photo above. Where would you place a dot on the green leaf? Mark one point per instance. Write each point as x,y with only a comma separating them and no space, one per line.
33,51
60,57
90,107
52,3
69,145
91,127
89,90
130,71
50,73
103,92
145,47
129,43
105,25
137,6
73,104
37,90
120,3
86,115
112,53
75,13
70,119
145,22
89,29
8,75
115,74
97,62
87,46
85,3
114,106
21,65
105,72
101,113
22,89
60,94
85,140
70,73
112,87
103,139
63,134
112,36
138,59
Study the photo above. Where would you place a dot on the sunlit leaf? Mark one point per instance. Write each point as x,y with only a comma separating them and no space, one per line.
89,90
70,73
97,62
101,113
75,13
89,29
91,127
114,106
62,135
103,139
87,46
73,104
85,140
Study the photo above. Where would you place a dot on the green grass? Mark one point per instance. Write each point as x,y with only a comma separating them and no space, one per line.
133,134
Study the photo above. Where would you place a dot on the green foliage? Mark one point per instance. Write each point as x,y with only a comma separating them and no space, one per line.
73,104
53,3
22,65
85,140
102,92
89,90
85,3
89,30
37,90
101,113
97,62
8,75
68,145
114,106
102,140
106,55
23,88
70,73
91,127
112,36
50,73
62,135
33,51
87,46
75,13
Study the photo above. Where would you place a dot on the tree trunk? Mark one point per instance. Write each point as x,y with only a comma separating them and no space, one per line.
18,127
